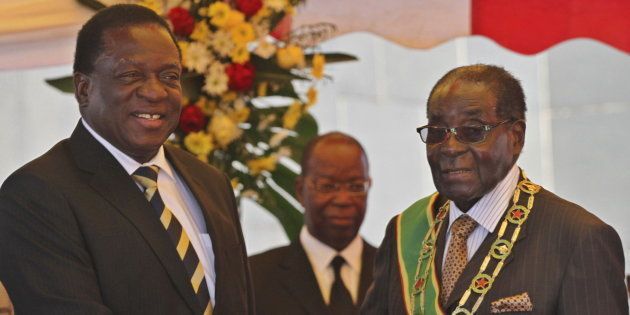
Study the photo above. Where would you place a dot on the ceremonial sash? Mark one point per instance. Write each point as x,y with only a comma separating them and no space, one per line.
412,226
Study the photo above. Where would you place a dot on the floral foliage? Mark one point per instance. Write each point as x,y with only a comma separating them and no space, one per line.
249,80
233,65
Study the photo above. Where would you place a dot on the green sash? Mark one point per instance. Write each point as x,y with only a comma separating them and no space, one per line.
412,225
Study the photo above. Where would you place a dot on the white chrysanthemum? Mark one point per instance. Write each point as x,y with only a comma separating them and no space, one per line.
197,57
221,41
216,80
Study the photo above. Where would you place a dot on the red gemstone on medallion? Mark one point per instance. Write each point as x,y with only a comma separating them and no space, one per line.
481,283
419,284
518,213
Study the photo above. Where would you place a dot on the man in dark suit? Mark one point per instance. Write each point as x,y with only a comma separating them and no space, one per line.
490,240
112,220
329,269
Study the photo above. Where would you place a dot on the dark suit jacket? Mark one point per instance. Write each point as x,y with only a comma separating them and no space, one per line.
77,236
284,281
566,259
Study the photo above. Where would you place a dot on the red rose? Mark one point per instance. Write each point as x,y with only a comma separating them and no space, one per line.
282,30
249,7
192,119
183,22
241,76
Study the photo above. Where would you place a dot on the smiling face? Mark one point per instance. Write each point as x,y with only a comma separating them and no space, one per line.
464,172
334,217
133,96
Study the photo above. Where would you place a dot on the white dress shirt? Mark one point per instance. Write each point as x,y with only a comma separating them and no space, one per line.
179,199
487,212
321,255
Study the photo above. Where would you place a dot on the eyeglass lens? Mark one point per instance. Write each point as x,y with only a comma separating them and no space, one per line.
467,134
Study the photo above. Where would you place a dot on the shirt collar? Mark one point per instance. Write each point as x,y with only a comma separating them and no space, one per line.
320,255
487,212
128,163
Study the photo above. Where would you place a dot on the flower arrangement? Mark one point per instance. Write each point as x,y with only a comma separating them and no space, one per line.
248,84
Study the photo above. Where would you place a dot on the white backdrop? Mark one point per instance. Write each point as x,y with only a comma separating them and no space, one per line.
579,106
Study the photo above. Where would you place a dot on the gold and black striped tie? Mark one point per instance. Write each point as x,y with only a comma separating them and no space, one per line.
146,176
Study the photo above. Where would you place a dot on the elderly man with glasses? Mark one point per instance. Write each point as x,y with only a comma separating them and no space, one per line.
328,270
490,240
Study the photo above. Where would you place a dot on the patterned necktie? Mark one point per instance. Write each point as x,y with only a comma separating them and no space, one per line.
146,176
340,298
457,255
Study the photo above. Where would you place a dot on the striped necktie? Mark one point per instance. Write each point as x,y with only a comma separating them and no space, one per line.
146,176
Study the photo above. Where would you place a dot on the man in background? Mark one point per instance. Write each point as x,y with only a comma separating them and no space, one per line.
490,240
328,270
113,220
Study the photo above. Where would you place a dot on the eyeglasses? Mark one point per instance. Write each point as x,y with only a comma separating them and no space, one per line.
327,186
464,134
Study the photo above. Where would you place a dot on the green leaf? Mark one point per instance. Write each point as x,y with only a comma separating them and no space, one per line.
306,129
330,58
268,70
290,218
63,84
191,85
285,178
92,4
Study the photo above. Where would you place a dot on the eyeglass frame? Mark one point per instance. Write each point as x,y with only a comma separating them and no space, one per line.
367,183
486,129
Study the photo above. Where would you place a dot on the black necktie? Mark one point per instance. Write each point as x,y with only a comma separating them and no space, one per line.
147,176
340,298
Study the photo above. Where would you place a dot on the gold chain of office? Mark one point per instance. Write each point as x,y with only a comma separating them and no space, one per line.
499,251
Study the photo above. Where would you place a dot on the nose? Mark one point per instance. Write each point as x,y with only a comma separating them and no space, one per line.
452,146
342,197
152,89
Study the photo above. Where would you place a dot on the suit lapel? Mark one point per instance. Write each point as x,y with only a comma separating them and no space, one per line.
367,267
110,180
302,285
472,268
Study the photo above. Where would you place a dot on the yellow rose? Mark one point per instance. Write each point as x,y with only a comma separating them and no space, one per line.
219,13
292,115
240,112
223,129
290,56
242,33
198,143
154,5
262,89
240,54
234,18
262,164
311,95
201,32
276,5
318,66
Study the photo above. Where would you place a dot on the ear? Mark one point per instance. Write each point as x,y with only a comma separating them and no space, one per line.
81,89
518,136
299,185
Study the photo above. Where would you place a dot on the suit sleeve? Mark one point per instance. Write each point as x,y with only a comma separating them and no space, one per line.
377,298
44,263
594,279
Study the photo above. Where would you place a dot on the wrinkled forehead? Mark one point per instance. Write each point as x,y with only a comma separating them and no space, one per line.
334,157
462,98
125,42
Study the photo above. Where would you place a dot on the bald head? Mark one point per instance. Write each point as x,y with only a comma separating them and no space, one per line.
334,138
502,84
333,188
